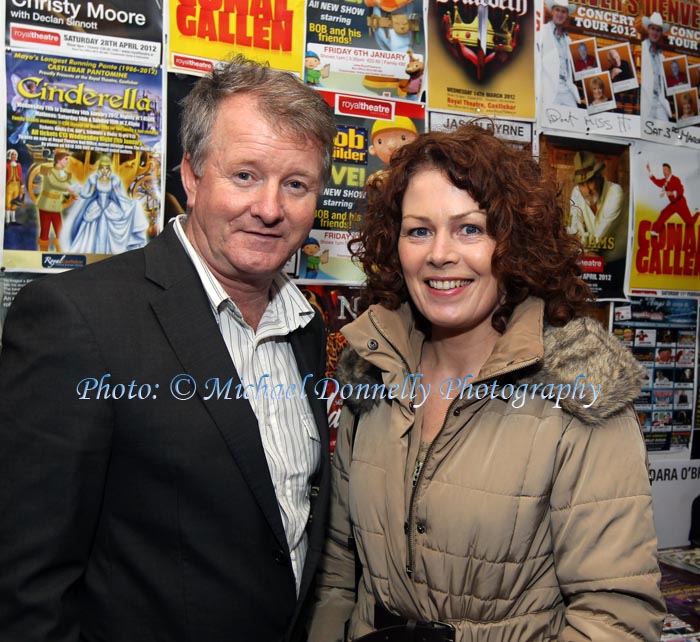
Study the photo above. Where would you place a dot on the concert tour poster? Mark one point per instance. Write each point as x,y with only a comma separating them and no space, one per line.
671,73
338,305
589,68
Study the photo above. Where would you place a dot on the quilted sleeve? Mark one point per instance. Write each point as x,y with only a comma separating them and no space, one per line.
603,534
335,595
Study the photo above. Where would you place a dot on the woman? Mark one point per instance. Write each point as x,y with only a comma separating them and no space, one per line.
598,96
490,513
687,107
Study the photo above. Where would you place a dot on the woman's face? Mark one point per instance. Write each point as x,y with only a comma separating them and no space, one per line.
445,255
687,108
597,91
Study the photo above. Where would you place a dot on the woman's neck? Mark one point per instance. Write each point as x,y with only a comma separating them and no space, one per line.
457,355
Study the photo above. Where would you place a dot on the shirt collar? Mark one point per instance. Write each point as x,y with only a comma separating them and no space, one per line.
287,302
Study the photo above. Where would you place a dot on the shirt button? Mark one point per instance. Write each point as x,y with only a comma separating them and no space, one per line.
279,557
405,527
372,344
456,412
421,528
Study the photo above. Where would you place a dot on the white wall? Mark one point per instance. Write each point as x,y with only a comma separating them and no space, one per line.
674,486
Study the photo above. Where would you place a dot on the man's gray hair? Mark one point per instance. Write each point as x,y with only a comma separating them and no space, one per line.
284,101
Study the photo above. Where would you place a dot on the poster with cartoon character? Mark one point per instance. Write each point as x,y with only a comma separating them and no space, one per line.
369,131
372,47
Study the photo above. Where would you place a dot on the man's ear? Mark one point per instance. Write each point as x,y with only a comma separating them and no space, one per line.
190,181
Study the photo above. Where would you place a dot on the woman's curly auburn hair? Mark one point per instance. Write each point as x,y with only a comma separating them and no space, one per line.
534,254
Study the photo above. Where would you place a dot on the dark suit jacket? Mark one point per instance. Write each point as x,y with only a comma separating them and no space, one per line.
145,518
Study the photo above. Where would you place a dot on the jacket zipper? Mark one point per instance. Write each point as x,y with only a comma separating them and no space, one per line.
410,543
410,540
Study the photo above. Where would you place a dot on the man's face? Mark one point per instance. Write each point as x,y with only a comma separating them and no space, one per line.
675,68
13,156
311,62
252,205
559,16
666,170
590,190
614,58
655,33
582,52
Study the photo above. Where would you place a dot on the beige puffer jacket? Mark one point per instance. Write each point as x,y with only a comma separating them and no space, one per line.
526,524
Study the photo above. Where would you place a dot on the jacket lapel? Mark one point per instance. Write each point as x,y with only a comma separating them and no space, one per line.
308,344
184,313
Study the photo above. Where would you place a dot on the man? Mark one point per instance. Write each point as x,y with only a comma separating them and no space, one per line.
164,471
558,86
654,104
14,186
56,189
672,188
619,69
598,209
584,60
677,77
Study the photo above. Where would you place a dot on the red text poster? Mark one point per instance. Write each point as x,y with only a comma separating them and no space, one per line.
666,250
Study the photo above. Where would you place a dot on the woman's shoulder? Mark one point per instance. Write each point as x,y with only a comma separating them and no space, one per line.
602,374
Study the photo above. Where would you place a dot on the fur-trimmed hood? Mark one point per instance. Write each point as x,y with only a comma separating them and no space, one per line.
581,353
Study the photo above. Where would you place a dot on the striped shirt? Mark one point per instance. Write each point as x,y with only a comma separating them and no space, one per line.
266,366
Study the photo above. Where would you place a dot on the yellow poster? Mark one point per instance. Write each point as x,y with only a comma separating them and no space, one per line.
666,254
203,32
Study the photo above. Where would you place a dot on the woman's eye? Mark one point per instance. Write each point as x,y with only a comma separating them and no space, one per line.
470,228
417,232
